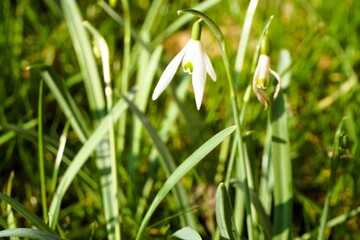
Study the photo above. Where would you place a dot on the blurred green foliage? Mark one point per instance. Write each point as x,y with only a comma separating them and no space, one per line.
322,37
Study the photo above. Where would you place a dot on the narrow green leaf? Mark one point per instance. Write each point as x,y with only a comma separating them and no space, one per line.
28,233
334,165
167,161
186,233
41,152
282,166
224,214
31,217
181,171
64,99
84,153
85,57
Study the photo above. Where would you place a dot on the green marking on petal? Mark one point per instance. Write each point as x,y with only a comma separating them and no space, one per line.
188,67
262,83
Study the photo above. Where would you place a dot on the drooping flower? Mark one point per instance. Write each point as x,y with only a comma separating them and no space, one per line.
262,73
194,62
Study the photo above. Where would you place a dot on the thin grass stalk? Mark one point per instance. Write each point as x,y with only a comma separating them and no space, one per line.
41,152
334,165
85,57
172,114
122,82
241,169
187,165
244,39
11,221
59,156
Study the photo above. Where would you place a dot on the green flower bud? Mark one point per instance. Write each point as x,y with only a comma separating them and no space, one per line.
265,47
196,30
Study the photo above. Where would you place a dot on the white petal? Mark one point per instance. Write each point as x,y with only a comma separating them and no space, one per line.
209,67
169,73
189,55
199,73
278,79
264,66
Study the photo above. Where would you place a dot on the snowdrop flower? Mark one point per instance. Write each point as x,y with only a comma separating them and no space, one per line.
262,75
194,62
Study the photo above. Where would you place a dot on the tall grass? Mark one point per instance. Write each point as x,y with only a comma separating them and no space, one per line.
92,157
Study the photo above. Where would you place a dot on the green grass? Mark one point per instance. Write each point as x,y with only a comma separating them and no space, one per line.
86,154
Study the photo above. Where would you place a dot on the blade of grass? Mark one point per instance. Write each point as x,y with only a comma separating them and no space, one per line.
41,152
167,162
334,165
171,115
109,182
225,214
59,156
186,233
85,57
64,99
11,222
81,157
187,165
31,217
280,157
28,233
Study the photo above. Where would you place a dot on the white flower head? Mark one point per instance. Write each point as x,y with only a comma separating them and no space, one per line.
262,73
194,62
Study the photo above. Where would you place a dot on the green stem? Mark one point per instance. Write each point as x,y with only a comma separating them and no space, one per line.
242,172
41,152
334,165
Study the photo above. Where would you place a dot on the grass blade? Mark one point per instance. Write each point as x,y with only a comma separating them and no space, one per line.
81,157
180,172
35,220
28,233
186,233
41,152
334,165
280,156
167,162
224,214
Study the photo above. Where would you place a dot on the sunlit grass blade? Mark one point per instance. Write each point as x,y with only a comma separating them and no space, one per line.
65,100
186,233
167,162
41,152
59,156
147,66
281,161
81,157
28,233
85,57
224,214
11,222
106,154
187,165
334,165
171,115
31,217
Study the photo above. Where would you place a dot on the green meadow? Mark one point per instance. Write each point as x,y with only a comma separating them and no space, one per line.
214,119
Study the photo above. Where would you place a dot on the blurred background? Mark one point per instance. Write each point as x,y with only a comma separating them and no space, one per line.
322,38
